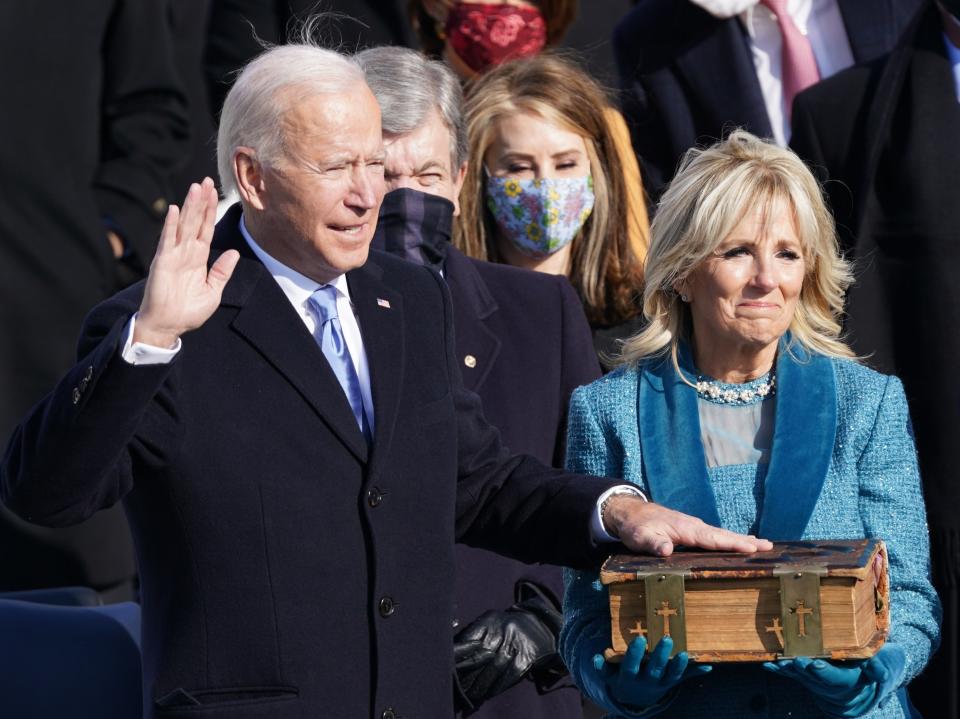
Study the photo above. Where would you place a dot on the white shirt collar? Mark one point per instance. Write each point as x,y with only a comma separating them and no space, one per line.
799,10
295,286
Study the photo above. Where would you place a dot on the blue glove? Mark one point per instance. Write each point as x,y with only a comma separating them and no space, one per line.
640,682
850,689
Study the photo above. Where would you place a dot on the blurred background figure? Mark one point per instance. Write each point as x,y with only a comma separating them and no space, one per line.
690,69
523,345
95,123
546,190
237,28
887,137
472,37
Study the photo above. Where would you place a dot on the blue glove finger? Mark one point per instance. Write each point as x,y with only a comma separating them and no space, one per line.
657,663
675,669
603,667
833,676
697,670
876,670
630,665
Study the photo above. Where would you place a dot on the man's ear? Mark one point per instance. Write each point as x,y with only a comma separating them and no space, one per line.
248,173
458,179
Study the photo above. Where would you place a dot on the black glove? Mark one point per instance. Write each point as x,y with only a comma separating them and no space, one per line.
501,647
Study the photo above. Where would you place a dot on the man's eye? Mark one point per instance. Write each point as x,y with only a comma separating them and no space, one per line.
430,179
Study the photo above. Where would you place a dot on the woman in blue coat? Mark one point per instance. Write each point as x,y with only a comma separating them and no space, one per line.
740,404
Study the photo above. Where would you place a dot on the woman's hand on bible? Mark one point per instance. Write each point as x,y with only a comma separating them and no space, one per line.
640,681
849,689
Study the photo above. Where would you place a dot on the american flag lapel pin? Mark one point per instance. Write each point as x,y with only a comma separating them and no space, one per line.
383,303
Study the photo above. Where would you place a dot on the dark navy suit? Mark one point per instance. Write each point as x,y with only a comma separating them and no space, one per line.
288,570
688,75
523,344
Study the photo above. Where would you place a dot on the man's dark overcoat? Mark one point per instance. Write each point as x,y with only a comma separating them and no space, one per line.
289,570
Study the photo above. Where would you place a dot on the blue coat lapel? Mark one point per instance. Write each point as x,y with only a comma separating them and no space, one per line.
670,445
803,437
803,440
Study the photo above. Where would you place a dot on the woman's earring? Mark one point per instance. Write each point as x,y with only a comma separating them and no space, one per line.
684,298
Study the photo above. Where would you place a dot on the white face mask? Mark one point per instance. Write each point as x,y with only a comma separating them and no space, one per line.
724,9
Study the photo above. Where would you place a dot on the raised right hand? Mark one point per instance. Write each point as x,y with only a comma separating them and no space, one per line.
180,293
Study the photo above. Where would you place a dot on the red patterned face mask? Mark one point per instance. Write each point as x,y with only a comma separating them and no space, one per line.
482,34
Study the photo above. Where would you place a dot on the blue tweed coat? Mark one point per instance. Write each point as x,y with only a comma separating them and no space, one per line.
843,465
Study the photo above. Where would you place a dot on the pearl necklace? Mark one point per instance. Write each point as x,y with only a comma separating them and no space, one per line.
751,392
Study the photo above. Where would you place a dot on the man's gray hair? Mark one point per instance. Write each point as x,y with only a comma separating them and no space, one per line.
408,86
266,88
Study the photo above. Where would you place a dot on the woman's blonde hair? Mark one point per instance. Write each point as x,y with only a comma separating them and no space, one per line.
604,268
712,191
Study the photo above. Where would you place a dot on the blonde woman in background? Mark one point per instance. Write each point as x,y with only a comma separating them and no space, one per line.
546,188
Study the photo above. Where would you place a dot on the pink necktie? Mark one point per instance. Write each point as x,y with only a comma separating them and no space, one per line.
798,64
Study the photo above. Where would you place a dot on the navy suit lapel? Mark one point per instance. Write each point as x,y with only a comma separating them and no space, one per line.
871,27
718,67
473,306
804,433
670,445
381,318
267,321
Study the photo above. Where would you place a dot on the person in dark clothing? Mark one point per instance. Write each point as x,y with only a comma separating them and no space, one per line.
238,29
95,122
884,136
691,70
286,425
524,345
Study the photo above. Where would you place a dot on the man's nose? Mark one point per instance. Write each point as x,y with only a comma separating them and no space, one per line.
367,188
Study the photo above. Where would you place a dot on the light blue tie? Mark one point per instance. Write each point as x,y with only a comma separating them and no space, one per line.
324,304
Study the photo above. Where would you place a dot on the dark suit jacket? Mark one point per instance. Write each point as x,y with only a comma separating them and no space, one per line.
287,569
884,138
687,76
530,346
94,122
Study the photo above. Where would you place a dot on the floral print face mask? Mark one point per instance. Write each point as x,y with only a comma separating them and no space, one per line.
541,216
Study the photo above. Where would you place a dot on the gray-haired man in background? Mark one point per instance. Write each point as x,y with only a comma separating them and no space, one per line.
523,345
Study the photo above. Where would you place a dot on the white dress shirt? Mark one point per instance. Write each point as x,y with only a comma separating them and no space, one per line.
822,23
819,20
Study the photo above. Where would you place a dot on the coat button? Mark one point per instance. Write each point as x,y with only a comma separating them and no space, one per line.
374,497
89,375
470,361
387,606
388,713
76,395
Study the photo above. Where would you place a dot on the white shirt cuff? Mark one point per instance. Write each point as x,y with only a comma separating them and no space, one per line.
598,532
138,353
